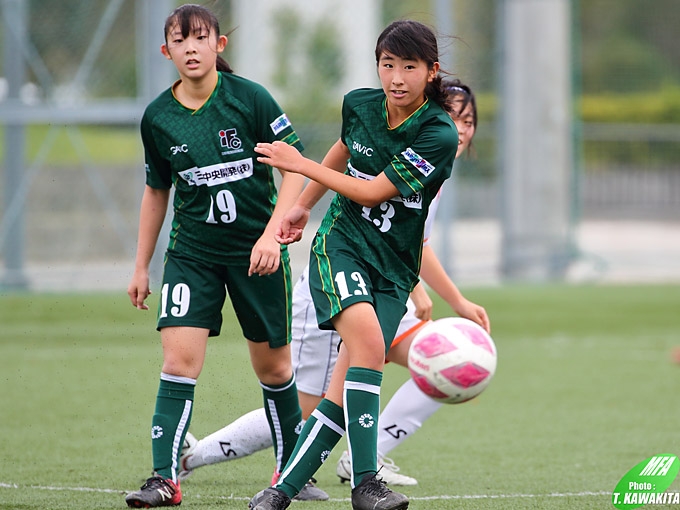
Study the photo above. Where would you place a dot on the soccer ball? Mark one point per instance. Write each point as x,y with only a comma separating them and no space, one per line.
452,360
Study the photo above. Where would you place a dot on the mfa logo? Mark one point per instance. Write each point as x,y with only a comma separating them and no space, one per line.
647,482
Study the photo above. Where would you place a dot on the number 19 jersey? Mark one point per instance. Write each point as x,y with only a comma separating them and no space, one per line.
223,196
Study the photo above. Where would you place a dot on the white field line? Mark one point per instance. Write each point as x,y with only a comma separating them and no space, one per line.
241,498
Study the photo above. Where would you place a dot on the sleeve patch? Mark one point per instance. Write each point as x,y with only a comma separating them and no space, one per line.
424,166
280,124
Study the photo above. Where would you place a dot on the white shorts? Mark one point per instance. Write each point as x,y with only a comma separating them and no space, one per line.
314,351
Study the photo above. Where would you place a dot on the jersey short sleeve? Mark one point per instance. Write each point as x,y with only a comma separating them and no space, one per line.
412,169
158,168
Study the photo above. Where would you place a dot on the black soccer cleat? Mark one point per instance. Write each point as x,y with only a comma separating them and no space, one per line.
156,491
372,494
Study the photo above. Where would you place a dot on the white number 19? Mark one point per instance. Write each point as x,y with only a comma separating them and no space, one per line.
181,296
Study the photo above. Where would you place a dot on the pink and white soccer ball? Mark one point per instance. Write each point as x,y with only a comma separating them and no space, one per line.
452,360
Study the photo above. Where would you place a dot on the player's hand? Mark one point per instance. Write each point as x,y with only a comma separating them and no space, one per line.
469,310
423,302
265,256
279,154
138,289
292,224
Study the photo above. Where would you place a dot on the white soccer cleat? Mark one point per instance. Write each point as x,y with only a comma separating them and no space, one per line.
188,447
387,471
344,467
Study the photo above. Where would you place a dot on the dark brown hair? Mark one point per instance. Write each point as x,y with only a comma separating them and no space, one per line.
458,90
413,40
192,18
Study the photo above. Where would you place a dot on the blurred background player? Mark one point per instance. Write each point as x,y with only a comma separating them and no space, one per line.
315,350
396,149
199,136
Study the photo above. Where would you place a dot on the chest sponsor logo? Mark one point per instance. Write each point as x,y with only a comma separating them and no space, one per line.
415,201
362,149
359,174
418,161
222,173
280,124
229,140
179,148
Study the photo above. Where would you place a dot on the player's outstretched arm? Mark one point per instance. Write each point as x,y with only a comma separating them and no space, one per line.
265,256
291,227
432,272
421,299
366,193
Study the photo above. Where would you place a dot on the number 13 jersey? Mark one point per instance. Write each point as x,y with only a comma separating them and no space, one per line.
417,157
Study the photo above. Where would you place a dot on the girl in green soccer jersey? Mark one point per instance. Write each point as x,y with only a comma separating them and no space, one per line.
396,149
199,136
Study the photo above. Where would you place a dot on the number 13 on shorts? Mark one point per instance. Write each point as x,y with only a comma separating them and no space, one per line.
355,286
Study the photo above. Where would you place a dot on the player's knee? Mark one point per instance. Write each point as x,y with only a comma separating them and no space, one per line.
274,373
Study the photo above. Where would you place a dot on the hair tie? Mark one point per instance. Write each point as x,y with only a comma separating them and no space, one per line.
456,87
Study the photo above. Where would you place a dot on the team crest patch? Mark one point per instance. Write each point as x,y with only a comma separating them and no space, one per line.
280,124
366,420
418,161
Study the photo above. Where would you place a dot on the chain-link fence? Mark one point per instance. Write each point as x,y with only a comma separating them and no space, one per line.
75,78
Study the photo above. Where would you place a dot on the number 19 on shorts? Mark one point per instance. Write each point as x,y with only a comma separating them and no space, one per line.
180,296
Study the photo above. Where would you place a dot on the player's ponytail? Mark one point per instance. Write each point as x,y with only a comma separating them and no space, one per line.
436,91
223,65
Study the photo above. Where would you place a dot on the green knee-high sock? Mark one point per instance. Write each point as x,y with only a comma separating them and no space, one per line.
285,418
362,408
174,404
322,431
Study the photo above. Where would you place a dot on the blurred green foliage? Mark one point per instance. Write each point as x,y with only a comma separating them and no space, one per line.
626,58
659,106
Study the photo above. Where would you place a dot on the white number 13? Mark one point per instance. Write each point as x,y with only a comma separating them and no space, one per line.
383,223
343,286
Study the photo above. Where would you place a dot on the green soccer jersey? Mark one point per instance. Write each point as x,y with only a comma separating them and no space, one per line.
416,156
223,196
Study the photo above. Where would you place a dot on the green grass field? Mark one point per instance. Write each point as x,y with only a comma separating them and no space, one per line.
585,389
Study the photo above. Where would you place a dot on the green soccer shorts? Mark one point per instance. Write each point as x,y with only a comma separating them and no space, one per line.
338,278
193,294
